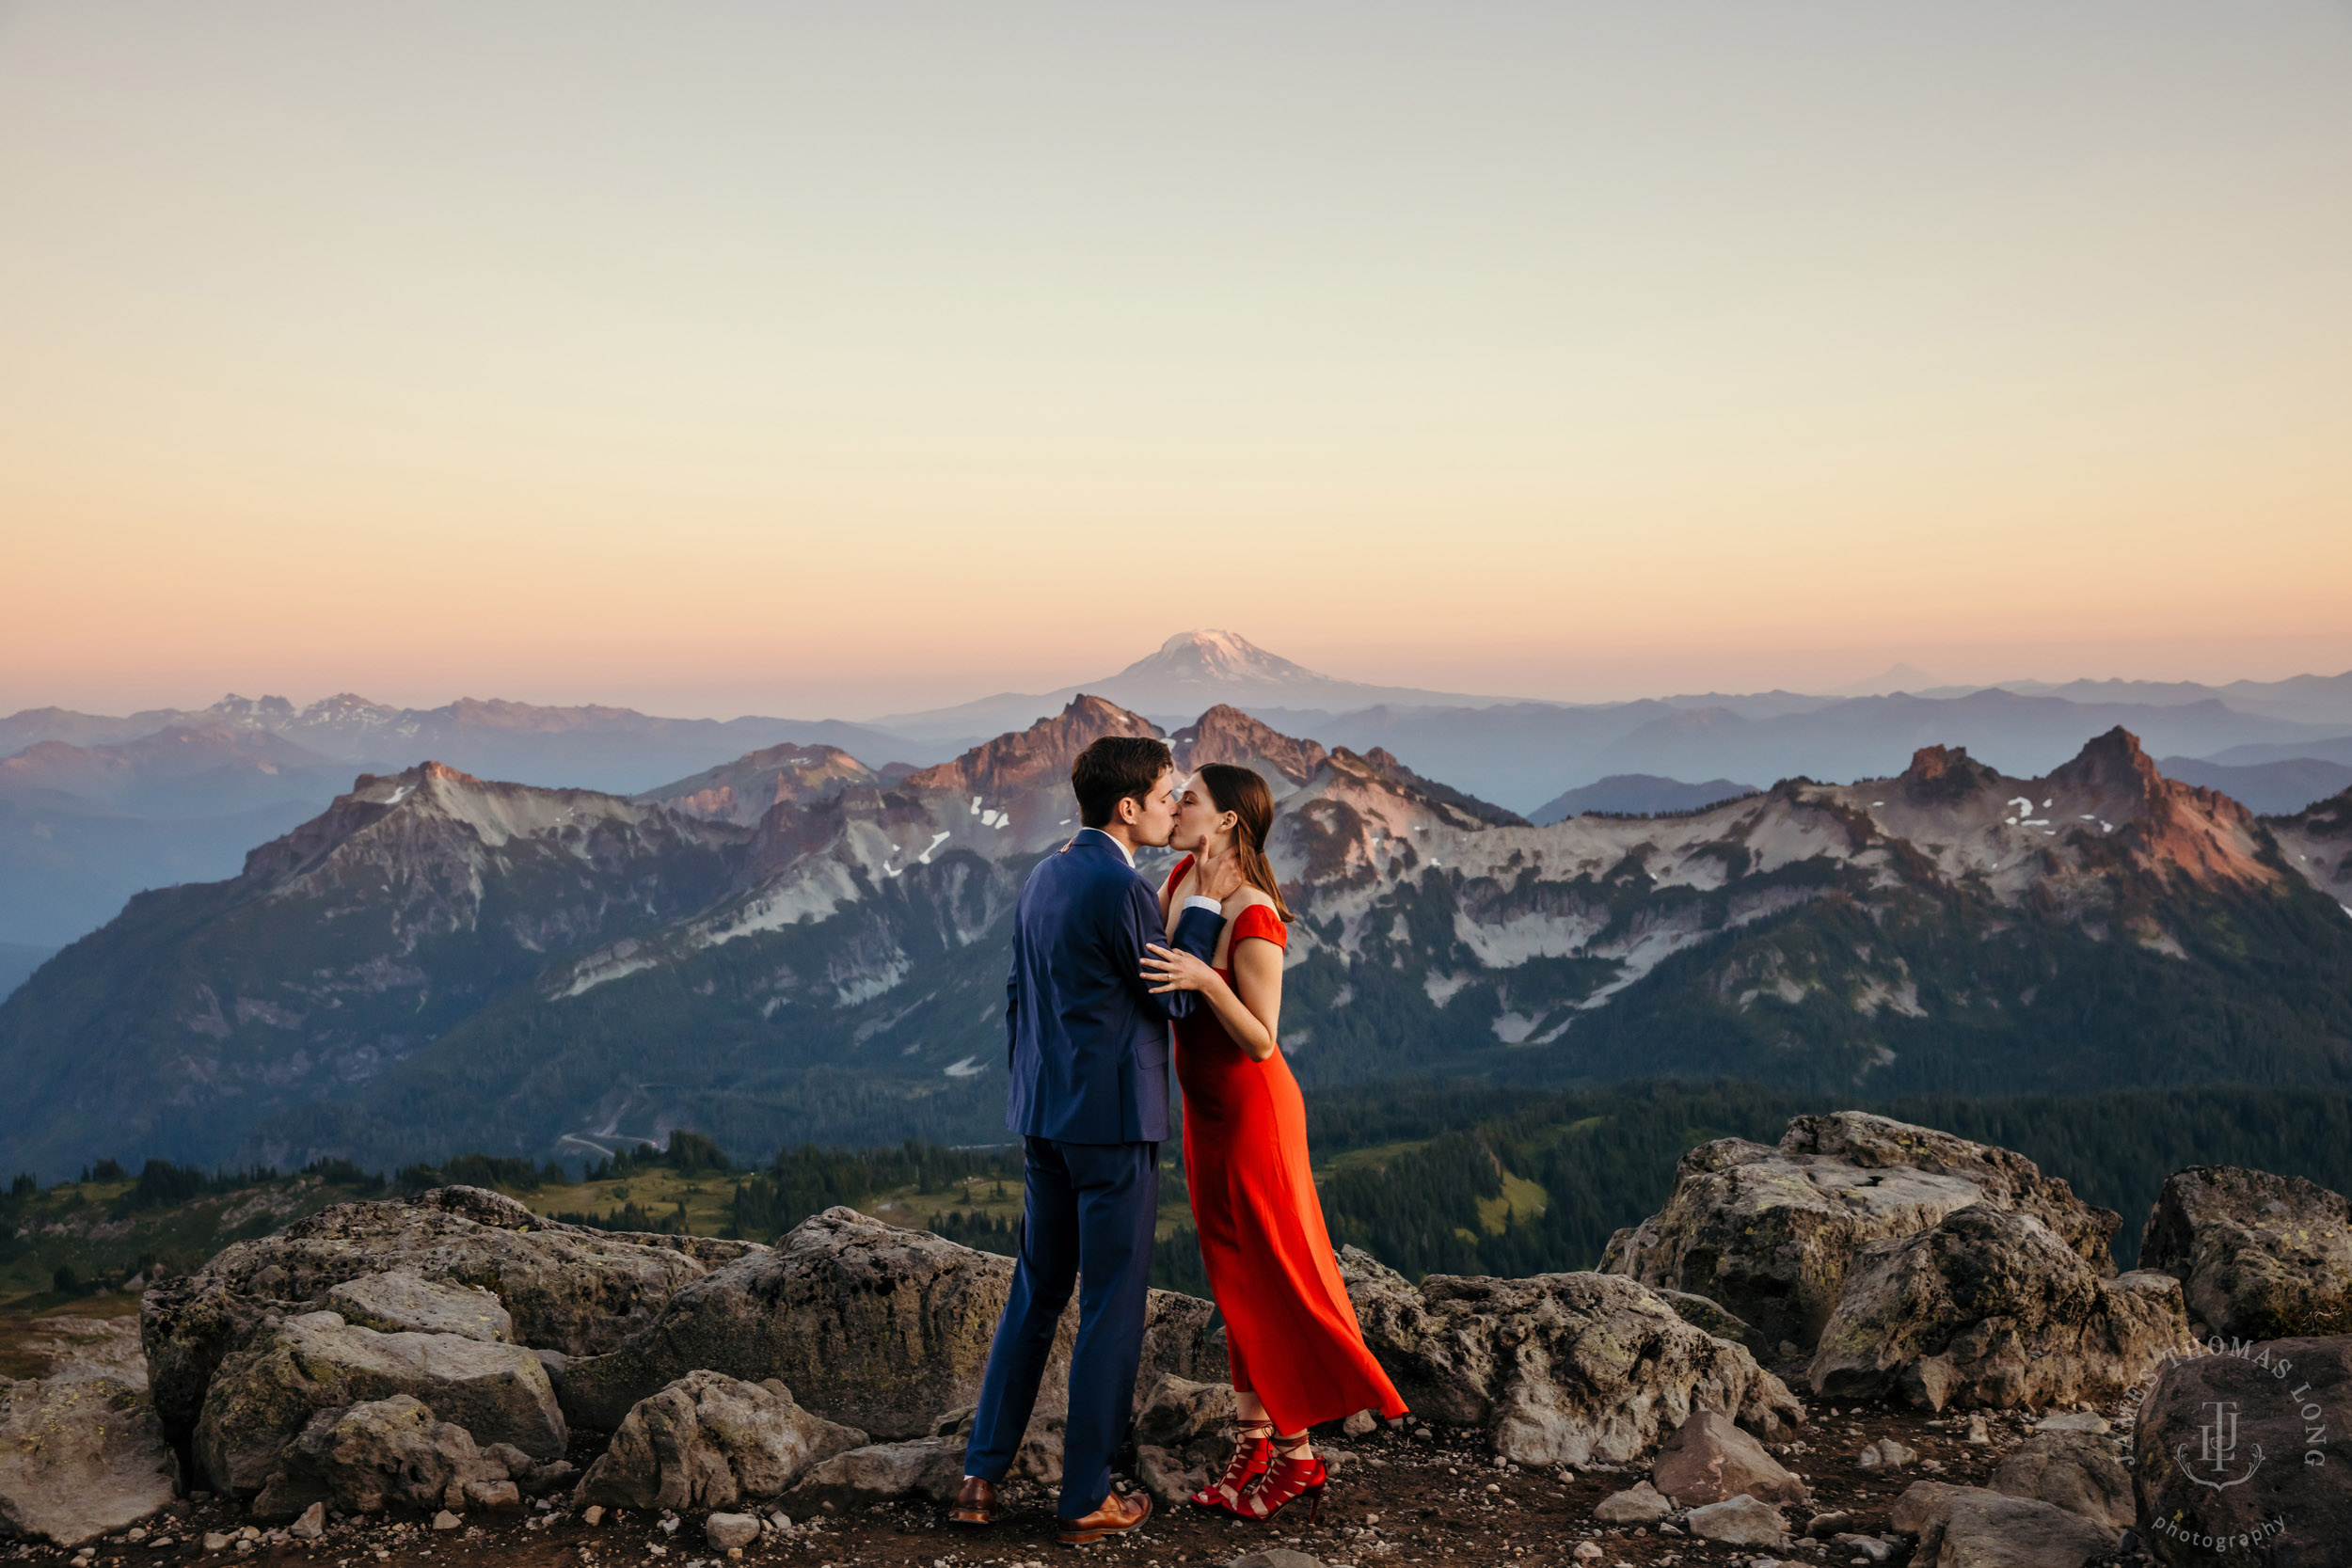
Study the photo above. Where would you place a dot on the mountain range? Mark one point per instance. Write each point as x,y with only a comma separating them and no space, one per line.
439,963
93,809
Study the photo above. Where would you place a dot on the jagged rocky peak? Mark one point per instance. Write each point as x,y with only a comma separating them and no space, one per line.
1940,775
745,790
1227,734
1018,763
410,815
2316,842
2167,825
1467,810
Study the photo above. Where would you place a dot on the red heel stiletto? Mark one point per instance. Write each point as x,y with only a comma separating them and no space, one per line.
1252,1446
1287,1479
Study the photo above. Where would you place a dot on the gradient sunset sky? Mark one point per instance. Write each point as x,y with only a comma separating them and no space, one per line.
726,357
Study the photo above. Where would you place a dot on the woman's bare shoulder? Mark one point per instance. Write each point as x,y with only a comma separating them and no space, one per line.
1253,898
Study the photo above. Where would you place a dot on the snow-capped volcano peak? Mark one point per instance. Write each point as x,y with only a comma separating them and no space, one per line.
1216,658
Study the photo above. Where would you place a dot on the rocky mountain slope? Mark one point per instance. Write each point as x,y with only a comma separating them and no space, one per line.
343,948
742,791
93,810
1526,752
439,963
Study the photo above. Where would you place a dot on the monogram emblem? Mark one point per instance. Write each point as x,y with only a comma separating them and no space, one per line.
2217,1447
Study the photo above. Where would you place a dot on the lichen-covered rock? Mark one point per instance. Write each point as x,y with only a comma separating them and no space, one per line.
711,1441
1769,1232
1989,1307
1741,1521
1168,1475
1970,1526
1638,1504
389,1450
1699,1313
1184,1434
1177,1413
1921,1501
1040,1455
875,1325
2077,1471
262,1396
1709,1460
399,1301
2271,1481
79,1457
930,1468
565,1288
1562,1368
2259,1256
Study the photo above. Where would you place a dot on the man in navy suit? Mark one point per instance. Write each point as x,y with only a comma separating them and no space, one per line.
1089,1047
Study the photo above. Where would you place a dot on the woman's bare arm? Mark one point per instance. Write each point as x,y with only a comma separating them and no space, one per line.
1254,1019
1250,1015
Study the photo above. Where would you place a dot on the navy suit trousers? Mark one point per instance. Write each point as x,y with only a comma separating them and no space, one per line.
1089,1210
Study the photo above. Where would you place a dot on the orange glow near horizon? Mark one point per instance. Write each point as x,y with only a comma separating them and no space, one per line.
792,362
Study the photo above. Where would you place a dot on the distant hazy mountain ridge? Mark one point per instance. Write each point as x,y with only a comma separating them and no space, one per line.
1637,794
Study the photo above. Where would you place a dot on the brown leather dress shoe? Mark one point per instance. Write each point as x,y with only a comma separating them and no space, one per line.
1116,1515
975,1504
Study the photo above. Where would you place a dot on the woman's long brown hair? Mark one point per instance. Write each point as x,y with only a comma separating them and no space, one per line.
1242,792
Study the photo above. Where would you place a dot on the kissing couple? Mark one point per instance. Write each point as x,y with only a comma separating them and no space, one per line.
1096,983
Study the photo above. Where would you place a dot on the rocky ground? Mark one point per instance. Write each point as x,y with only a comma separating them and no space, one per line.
1393,1499
453,1377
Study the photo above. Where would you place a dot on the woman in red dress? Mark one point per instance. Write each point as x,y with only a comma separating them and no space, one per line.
1297,1356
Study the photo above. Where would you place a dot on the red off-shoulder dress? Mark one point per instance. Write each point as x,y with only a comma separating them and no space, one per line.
1293,1334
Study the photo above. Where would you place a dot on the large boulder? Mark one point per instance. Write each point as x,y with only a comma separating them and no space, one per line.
1561,1369
2078,1471
1769,1232
1709,1460
80,1457
1972,1526
877,1327
926,1468
2260,1256
400,1301
1184,1434
262,1396
565,1288
711,1441
1699,1313
1178,1412
391,1450
1991,1307
2249,1451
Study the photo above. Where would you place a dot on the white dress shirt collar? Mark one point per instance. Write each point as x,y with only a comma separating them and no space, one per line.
1125,853
1195,902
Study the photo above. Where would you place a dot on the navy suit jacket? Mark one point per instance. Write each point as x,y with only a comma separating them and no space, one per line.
1087,1040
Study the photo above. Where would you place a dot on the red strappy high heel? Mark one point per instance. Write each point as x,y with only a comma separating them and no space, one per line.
1287,1479
1252,1446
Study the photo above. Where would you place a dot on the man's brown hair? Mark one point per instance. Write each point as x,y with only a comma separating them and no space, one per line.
1116,767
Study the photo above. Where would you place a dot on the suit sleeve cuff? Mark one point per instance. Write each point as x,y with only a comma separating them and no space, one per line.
1209,903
